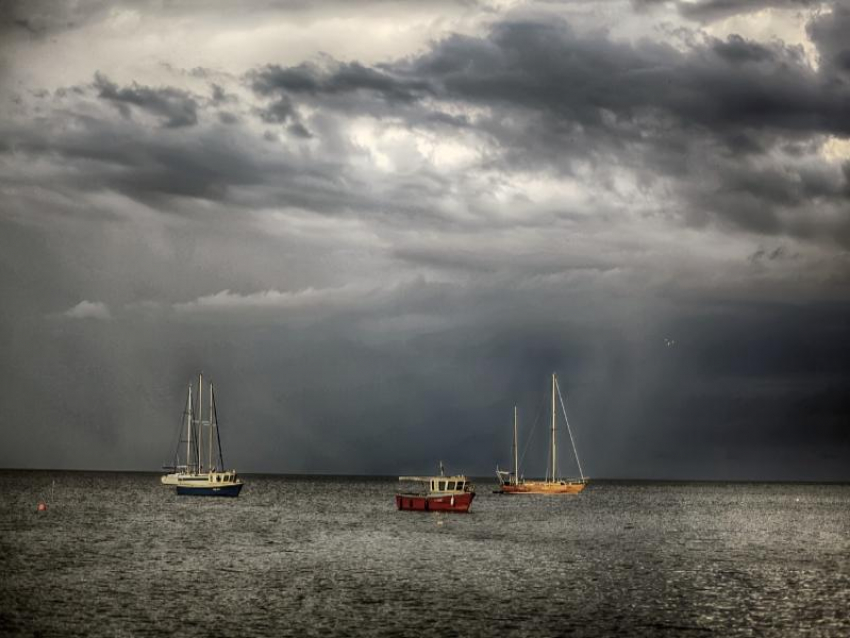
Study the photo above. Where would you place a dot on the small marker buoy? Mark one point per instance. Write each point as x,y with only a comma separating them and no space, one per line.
42,507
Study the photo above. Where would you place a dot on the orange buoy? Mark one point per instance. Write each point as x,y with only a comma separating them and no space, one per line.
42,506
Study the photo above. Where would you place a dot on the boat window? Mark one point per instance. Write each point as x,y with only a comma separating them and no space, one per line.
442,487
460,485
451,486
218,479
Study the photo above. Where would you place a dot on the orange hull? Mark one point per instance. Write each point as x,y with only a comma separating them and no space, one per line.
541,487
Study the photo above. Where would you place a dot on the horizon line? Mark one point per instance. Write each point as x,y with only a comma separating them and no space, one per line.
844,481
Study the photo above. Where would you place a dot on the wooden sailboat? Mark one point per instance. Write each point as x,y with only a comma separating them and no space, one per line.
512,483
197,476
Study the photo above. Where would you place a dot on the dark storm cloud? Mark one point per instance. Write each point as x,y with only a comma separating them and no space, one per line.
153,164
718,116
347,83
177,108
721,119
829,32
340,78
738,51
711,10
547,67
713,88
124,160
279,111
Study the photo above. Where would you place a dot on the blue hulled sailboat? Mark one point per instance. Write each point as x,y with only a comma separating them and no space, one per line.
193,475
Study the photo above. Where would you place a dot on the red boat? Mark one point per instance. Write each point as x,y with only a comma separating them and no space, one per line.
444,494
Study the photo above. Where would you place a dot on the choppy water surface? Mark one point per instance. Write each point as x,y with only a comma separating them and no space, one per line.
120,555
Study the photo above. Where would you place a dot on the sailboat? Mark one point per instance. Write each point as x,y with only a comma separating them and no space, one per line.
512,483
195,475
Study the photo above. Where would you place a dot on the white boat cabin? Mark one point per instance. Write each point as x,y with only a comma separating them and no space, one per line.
449,484
442,484
209,478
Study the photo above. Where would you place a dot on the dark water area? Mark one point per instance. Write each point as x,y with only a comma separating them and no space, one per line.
120,555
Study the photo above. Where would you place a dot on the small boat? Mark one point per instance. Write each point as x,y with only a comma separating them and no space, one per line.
193,475
512,483
444,494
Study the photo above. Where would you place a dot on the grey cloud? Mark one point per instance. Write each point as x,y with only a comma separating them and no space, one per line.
712,10
711,118
220,96
829,32
575,78
780,252
298,130
215,162
547,66
666,109
175,107
712,115
736,49
337,78
279,112
89,310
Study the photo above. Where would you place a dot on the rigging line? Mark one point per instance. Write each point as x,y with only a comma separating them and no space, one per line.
531,432
569,429
217,432
180,440
196,432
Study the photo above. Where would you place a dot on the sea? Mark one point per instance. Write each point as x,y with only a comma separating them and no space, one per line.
118,554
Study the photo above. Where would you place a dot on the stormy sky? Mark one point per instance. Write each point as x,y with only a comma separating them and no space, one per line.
378,226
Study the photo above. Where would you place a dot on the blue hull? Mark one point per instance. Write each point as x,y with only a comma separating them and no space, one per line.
225,490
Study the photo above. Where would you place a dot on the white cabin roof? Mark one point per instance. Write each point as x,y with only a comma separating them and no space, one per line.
428,479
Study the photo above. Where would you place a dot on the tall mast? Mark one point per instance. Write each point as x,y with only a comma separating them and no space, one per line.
188,428
210,433
516,455
553,428
217,433
200,415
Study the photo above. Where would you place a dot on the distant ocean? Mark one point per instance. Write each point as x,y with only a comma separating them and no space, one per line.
117,554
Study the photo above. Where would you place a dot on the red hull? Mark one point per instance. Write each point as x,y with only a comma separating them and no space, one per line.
444,503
